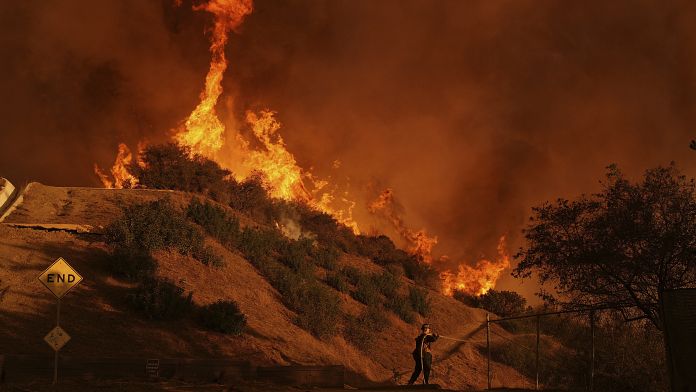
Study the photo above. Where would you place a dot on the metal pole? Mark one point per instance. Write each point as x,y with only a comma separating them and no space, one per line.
488,348
537,352
592,351
55,362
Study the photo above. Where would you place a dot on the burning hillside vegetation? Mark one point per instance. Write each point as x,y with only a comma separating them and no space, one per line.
253,149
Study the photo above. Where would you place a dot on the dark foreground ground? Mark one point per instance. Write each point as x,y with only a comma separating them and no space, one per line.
142,386
178,386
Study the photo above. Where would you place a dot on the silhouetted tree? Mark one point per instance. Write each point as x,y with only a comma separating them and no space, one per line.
620,247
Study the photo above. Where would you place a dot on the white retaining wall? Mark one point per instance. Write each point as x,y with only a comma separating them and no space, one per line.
6,190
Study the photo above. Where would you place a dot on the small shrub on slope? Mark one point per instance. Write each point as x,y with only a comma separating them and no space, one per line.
401,306
214,221
223,316
338,281
161,300
362,331
367,291
419,300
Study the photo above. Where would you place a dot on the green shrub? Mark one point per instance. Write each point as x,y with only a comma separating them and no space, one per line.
319,310
419,300
295,254
171,166
256,244
161,300
326,256
502,303
387,283
223,316
338,281
317,307
401,306
353,274
367,291
251,197
215,222
329,231
208,256
362,331
152,226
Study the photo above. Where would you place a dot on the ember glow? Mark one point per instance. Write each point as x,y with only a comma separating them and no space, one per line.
120,176
479,279
205,134
420,243
475,280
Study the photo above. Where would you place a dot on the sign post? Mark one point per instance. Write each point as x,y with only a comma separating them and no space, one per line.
59,278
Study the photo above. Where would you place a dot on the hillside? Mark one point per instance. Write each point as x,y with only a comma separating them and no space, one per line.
50,222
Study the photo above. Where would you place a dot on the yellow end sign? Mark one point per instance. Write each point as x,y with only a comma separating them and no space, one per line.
60,277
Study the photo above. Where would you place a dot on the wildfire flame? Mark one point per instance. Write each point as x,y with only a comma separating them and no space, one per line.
475,280
420,243
203,129
119,171
479,279
205,134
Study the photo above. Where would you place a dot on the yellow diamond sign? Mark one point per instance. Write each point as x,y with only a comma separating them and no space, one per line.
60,277
57,338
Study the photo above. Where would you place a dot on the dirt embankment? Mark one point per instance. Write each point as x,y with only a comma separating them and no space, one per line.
96,316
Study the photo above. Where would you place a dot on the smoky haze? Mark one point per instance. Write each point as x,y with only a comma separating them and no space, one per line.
472,112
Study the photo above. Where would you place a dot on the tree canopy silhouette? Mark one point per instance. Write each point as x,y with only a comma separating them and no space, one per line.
617,248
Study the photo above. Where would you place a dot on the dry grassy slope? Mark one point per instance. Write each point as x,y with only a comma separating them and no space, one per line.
101,325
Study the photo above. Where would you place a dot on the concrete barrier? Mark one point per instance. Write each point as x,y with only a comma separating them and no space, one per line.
22,368
315,376
6,192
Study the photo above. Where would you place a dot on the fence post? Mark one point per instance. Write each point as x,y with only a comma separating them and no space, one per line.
592,349
538,318
488,349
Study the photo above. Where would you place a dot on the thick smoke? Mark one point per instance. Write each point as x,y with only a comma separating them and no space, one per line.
471,112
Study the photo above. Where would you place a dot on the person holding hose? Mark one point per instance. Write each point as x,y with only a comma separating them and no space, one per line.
422,354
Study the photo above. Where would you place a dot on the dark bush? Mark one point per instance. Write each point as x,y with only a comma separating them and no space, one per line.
466,298
223,316
317,307
353,274
387,283
503,303
131,263
419,300
251,197
215,222
421,273
338,281
367,291
329,232
326,256
208,256
161,300
401,306
362,331
319,310
152,226
257,244
295,254
171,166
